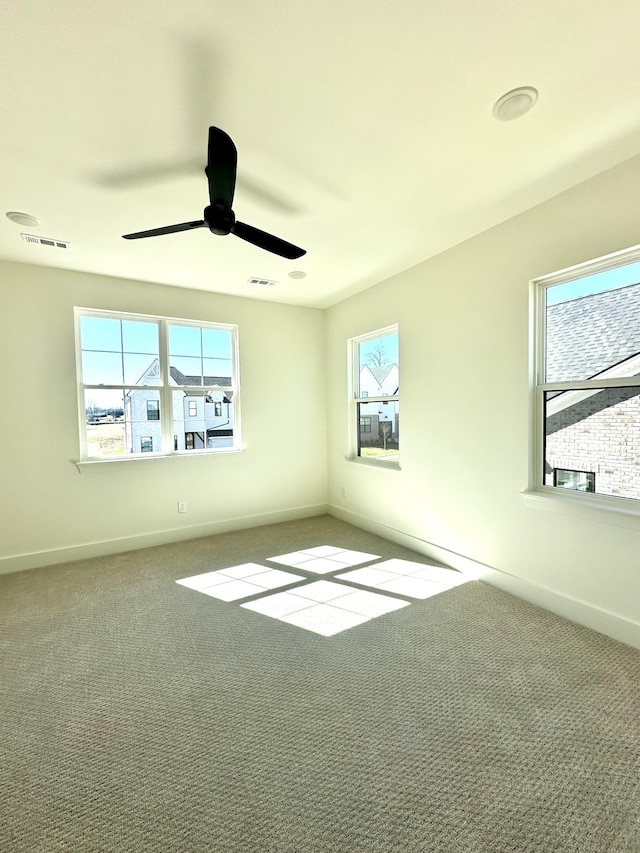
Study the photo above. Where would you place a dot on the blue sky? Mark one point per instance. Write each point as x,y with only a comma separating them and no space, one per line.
115,350
607,280
390,343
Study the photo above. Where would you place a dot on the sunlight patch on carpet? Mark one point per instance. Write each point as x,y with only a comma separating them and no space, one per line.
324,559
324,606
240,581
404,577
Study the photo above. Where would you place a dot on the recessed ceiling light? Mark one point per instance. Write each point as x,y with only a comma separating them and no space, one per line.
297,274
24,219
515,103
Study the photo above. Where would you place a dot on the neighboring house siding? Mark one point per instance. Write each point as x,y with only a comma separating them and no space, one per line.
369,435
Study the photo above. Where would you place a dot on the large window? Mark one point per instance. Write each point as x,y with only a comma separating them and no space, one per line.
376,396
586,381
141,377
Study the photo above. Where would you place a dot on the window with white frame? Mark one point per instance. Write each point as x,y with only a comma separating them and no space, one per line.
586,381
135,373
376,396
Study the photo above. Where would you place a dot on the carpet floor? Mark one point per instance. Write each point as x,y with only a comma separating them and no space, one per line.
141,715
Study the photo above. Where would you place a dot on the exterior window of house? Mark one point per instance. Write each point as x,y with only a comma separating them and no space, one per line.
189,440
217,410
376,397
586,382
134,374
581,481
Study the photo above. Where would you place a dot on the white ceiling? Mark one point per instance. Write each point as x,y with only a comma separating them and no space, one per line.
364,129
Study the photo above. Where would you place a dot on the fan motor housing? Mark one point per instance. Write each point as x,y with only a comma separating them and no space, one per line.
219,218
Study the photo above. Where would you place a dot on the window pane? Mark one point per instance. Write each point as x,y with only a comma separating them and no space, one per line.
102,368
141,370
589,331
211,425
378,366
104,413
100,333
142,420
185,340
186,371
101,405
153,410
379,430
217,371
140,336
216,343
106,440
596,434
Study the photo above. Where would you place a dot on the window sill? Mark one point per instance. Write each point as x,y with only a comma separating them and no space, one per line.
374,463
617,511
92,465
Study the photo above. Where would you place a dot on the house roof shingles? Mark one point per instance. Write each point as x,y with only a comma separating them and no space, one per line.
183,379
587,335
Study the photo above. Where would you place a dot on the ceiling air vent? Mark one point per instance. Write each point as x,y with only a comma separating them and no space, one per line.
265,282
46,241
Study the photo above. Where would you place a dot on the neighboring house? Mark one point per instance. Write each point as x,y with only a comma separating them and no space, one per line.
379,417
201,419
593,437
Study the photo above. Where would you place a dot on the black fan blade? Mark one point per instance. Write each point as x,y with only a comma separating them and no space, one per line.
267,241
168,229
222,161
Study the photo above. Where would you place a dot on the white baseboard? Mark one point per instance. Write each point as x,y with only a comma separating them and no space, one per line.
614,626
51,557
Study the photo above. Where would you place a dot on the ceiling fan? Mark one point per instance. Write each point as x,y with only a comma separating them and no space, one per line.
218,216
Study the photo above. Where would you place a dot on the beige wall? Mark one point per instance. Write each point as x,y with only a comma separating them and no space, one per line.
50,511
464,327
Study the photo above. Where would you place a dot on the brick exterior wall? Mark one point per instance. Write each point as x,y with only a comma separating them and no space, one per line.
600,434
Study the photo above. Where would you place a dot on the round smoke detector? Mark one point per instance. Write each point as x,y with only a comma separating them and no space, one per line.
515,103
24,219
297,274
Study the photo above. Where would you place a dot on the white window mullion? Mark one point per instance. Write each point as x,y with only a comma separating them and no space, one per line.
166,401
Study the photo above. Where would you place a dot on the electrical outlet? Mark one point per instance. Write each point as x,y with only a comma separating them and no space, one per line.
182,506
